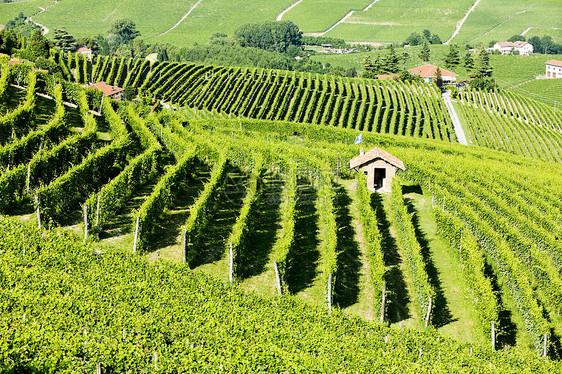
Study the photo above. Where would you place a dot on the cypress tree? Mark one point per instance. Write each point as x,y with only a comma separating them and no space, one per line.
452,58
425,52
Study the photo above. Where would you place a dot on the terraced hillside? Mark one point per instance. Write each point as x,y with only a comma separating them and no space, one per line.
360,104
261,204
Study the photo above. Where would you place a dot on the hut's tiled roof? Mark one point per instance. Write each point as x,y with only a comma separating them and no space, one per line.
374,154
106,89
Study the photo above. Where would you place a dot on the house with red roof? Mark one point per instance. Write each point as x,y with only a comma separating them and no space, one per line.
83,50
429,73
379,167
553,69
113,92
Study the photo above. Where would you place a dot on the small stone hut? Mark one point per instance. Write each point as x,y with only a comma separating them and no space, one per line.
379,167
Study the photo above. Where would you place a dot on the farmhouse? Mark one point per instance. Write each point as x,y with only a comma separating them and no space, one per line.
14,62
379,167
113,92
83,50
523,48
554,69
429,72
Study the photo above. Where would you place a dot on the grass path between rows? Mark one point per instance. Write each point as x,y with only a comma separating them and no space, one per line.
458,319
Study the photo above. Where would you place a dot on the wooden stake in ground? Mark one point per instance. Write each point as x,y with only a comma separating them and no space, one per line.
136,235
98,368
545,345
38,211
231,265
338,170
184,245
28,177
85,223
98,212
493,332
330,292
277,277
383,302
428,312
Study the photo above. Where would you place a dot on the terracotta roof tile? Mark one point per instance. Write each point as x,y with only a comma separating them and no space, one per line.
554,62
374,154
428,71
83,49
386,76
106,89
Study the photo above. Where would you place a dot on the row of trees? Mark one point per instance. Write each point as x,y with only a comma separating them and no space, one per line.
426,36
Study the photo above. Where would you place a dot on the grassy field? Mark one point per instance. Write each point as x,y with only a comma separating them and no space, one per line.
316,16
395,20
9,11
500,19
86,18
380,21
212,16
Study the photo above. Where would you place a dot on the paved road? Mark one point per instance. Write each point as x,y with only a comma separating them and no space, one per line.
453,114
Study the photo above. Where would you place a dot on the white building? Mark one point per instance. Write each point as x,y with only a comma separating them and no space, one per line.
85,51
524,48
553,69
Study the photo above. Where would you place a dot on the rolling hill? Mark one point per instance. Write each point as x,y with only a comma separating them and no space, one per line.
379,21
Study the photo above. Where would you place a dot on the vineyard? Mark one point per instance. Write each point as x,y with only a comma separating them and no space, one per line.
365,105
262,197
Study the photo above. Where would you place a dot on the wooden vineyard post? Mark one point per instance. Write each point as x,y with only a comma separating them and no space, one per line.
338,170
545,345
98,212
98,368
136,235
428,312
184,245
38,211
493,335
28,180
383,302
277,277
329,292
85,223
231,265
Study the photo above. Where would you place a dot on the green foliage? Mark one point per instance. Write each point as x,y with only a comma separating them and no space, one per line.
482,67
245,222
284,245
160,199
452,58
125,29
370,228
63,40
202,209
414,260
425,52
18,122
271,36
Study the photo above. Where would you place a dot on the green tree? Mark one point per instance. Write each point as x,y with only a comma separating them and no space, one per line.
125,29
38,45
90,43
8,41
392,61
435,39
425,52
271,36
63,40
438,78
405,57
426,34
482,67
452,58
468,62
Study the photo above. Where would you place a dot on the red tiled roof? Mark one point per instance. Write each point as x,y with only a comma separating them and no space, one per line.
554,62
83,49
374,154
428,71
13,62
386,76
106,89
517,44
